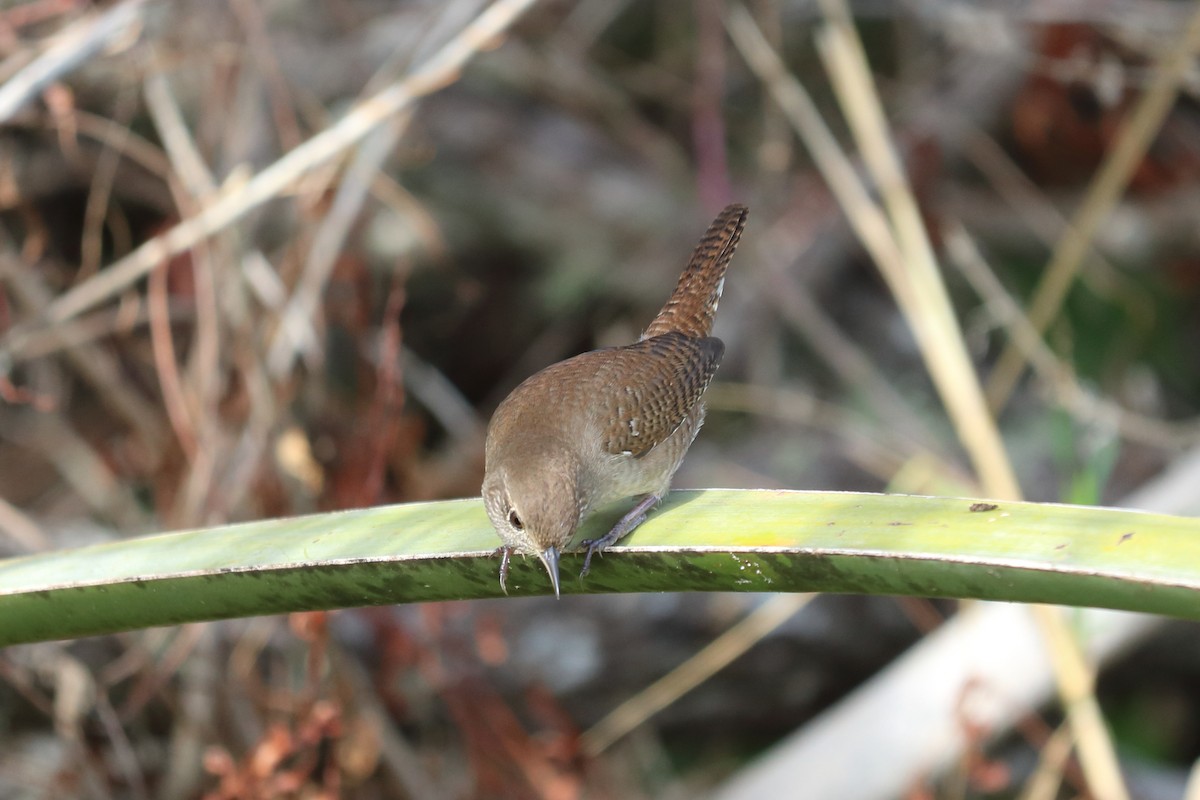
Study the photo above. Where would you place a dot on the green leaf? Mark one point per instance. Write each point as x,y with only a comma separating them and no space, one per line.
774,541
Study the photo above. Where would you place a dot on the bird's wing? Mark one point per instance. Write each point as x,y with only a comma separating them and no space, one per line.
655,383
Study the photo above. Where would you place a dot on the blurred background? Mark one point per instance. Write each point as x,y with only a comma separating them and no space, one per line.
338,331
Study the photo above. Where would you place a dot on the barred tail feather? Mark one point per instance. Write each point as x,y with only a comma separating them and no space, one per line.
693,305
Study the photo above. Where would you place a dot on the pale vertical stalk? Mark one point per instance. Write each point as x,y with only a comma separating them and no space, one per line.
949,364
862,212
931,315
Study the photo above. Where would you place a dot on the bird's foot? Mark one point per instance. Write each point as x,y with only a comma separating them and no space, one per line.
505,554
635,517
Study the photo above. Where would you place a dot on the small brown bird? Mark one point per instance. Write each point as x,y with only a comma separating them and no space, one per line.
609,423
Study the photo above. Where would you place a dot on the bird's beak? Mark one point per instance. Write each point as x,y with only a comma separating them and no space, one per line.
549,558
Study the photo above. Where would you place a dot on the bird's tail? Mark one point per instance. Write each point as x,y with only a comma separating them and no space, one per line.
693,305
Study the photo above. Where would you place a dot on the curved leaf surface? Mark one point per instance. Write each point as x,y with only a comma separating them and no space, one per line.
716,540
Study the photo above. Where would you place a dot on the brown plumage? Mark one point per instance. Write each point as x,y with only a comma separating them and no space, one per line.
609,423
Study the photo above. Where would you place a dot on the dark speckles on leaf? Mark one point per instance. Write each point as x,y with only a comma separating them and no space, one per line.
977,507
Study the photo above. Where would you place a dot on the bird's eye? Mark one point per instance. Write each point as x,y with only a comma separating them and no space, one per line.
515,521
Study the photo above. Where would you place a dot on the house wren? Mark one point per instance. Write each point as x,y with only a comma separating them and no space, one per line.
609,423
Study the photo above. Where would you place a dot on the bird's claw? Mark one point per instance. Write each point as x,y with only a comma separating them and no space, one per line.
591,546
505,554
635,517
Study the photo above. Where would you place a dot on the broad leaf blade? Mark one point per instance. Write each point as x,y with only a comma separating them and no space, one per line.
698,541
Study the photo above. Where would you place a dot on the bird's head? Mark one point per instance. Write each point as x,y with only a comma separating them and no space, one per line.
535,506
